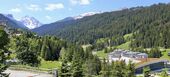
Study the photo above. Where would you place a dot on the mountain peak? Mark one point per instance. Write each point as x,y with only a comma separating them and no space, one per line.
9,16
86,14
30,22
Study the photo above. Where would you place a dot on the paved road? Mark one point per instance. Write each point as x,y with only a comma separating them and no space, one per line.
16,73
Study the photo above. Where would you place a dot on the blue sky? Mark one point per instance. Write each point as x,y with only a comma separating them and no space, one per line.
47,11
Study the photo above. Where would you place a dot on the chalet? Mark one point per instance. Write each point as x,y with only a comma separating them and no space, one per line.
141,60
126,55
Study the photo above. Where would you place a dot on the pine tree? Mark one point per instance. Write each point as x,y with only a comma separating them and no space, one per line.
48,55
88,69
28,57
77,70
3,41
65,69
146,72
97,65
119,69
164,73
105,50
105,71
63,54
130,70
77,62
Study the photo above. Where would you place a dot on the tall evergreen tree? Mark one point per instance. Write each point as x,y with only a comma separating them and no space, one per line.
3,41
28,58
164,73
65,69
130,70
146,72
77,69
105,71
77,62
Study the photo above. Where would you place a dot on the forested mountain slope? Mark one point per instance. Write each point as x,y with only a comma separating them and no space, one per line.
148,24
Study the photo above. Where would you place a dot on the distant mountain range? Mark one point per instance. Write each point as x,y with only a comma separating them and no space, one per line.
79,16
25,22
147,27
90,27
8,19
30,22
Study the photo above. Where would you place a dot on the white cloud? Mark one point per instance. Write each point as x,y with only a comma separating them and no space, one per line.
80,2
84,2
74,2
34,7
16,10
52,7
48,17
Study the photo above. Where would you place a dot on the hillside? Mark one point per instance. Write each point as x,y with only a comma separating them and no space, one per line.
11,23
138,20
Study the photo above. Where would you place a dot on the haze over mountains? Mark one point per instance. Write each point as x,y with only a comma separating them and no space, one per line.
90,27
28,22
8,19
24,23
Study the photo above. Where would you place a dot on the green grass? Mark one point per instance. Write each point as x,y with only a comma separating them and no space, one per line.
50,64
164,53
127,36
28,68
101,54
124,45
46,66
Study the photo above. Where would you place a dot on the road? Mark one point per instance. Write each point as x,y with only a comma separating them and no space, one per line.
18,73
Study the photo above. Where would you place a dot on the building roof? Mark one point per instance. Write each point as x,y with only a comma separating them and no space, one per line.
142,54
126,53
148,61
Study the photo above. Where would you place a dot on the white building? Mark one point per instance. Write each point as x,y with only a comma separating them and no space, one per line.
126,55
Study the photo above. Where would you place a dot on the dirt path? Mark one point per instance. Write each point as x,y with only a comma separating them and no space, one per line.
18,73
